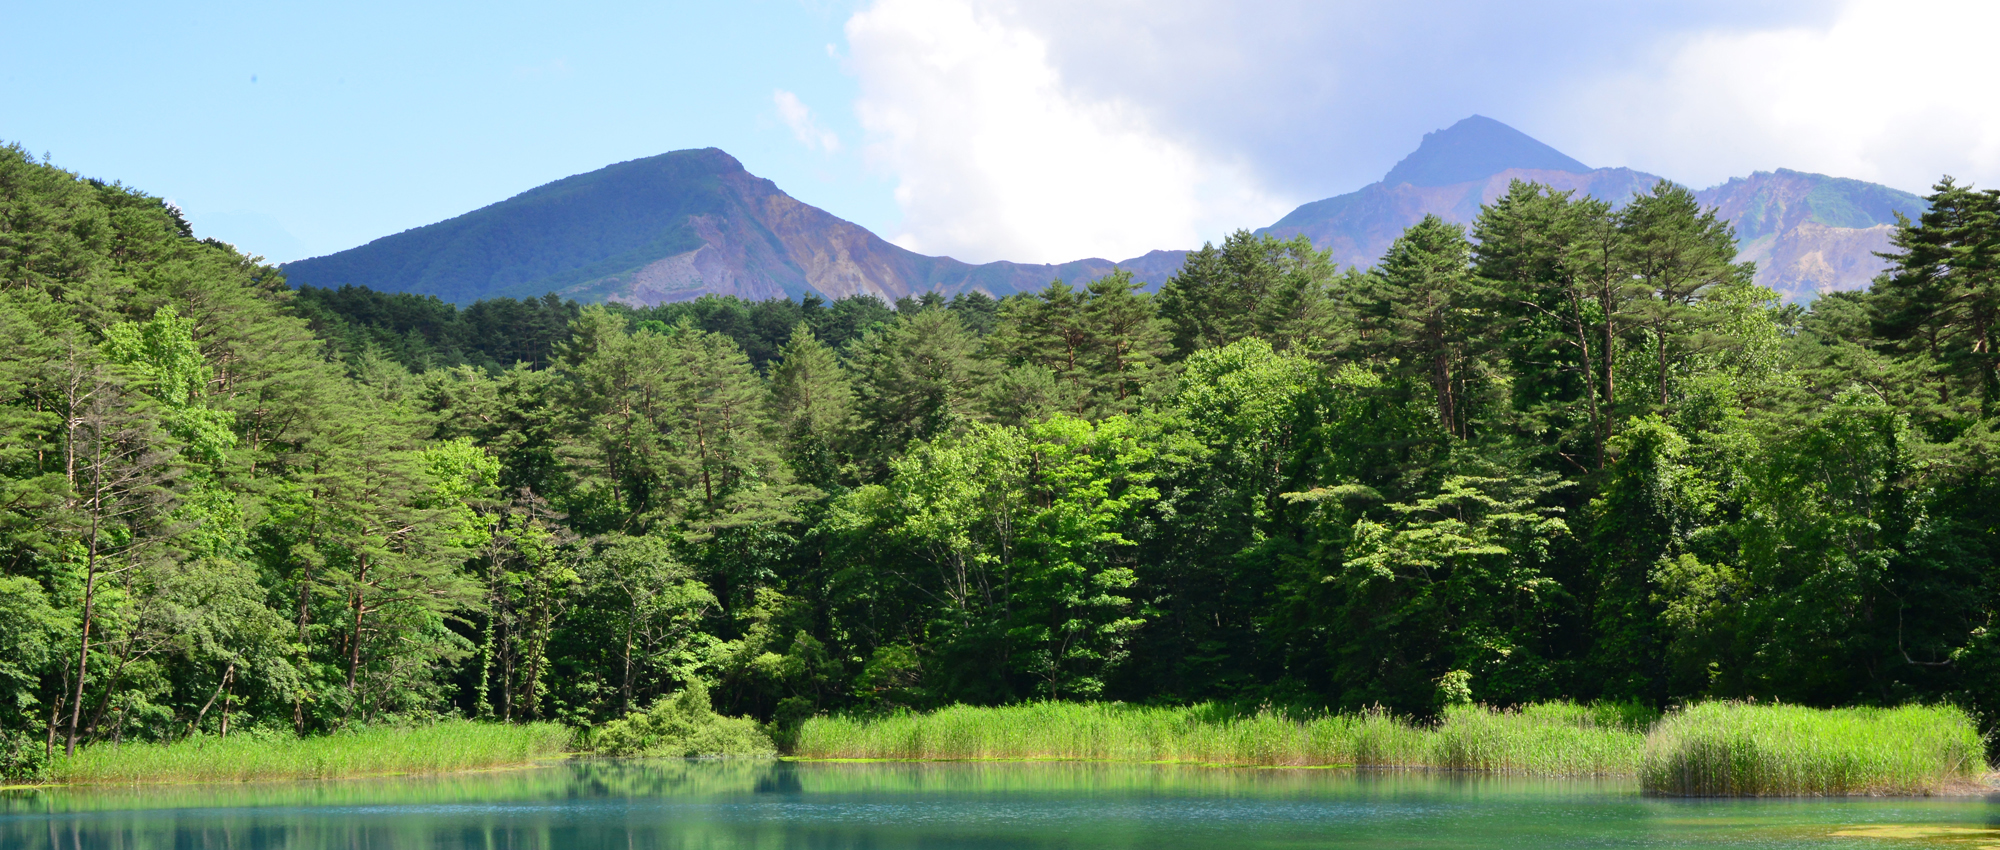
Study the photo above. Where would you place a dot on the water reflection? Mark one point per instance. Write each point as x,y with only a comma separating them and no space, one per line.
586,805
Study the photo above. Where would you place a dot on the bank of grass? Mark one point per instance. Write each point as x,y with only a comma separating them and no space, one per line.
437,748
1739,750
1548,739
1722,749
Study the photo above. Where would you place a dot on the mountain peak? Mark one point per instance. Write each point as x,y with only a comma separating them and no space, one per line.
1476,148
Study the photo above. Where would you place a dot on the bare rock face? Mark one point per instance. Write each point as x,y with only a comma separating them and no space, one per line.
1812,259
1809,233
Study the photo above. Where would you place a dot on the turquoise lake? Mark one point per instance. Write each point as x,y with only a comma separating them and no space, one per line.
631,804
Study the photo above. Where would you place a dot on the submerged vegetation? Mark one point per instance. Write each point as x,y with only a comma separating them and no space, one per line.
437,748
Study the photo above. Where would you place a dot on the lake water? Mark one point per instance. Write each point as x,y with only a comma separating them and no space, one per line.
719,805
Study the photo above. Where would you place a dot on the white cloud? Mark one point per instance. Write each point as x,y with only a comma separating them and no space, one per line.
1894,91
1310,98
797,116
1056,129
996,156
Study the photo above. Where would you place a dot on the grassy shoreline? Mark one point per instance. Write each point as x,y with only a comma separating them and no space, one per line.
1714,749
448,747
1553,739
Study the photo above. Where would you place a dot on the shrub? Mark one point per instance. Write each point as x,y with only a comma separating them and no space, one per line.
23,758
683,724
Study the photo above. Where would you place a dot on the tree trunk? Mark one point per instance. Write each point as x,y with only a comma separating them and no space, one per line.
1589,373
55,714
305,607
507,684
1441,377
83,645
536,646
484,696
625,688
360,611
220,687
1610,358
111,686
1660,345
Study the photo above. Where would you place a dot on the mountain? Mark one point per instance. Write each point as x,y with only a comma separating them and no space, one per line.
1476,148
1808,233
684,224
1359,225
670,228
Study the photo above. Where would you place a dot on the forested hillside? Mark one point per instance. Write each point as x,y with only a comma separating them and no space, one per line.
1578,454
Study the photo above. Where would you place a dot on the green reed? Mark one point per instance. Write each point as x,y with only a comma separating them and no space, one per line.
437,748
1745,750
1550,739
1730,749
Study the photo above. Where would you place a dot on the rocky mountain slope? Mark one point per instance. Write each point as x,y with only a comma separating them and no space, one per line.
689,223
1808,233
669,228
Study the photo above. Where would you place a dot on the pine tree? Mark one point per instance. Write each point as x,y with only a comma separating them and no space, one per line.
1251,286
723,469
1425,311
1545,253
812,402
1128,342
1048,329
1677,251
1941,299
914,380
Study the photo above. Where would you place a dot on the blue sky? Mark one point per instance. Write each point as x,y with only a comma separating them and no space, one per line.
985,129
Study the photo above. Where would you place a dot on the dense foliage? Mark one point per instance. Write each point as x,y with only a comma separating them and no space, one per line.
1574,452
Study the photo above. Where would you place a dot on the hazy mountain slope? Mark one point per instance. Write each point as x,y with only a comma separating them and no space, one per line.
1808,233
669,228
1359,226
1476,148
610,220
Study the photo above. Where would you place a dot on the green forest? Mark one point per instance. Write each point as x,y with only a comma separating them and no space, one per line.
1568,451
